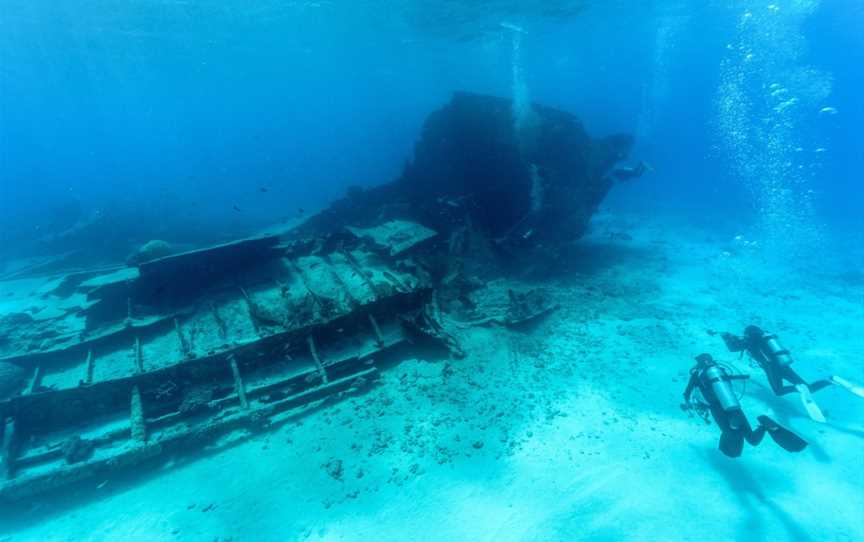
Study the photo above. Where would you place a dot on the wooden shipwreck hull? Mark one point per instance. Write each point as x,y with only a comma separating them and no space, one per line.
187,348
104,369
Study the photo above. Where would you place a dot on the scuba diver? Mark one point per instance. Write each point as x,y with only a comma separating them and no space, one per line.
715,384
775,360
626,173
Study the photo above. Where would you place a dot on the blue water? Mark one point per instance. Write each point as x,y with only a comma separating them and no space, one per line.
166,115
199,121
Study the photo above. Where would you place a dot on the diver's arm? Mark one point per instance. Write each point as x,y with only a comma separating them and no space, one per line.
733,342
694,380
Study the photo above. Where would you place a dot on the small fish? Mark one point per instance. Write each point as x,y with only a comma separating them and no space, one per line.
236,208
786,105
264,189
620,236
828,111
513,27
300,210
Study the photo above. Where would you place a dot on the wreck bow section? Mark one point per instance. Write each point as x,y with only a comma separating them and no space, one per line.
187,348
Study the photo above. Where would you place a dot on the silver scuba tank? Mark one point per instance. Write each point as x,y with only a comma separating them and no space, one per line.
722,388
775,351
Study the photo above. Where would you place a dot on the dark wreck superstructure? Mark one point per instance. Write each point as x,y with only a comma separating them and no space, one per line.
471,169
106,368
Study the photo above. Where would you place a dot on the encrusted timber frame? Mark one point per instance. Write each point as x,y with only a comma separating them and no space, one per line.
55,411
229,419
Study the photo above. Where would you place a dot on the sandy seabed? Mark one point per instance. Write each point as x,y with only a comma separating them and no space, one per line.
570,431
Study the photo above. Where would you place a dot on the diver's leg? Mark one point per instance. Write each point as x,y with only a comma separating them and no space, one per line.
731,439
785,390
720,418
820,384
787,373
803,390
775,380
753,436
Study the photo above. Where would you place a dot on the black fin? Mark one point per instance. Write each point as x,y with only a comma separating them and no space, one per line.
784,438
731,443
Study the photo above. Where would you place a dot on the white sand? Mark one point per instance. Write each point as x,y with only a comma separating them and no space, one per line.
572,432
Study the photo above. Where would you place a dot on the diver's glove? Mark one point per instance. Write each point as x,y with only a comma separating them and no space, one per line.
696,408
734,343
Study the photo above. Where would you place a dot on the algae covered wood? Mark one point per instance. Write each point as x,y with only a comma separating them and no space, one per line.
240,340
110,367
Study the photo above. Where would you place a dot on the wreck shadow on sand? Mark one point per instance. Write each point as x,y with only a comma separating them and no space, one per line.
588,257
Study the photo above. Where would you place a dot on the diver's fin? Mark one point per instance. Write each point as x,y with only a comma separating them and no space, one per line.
784,438
731,443
851,387
809,404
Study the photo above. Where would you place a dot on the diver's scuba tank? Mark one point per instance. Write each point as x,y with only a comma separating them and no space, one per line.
775,351
721,385
769,345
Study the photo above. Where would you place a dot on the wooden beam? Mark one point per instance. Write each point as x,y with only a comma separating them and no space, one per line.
379,338
341,283
305,280
314,352
355,265
136,417
34,382
8,449
139,360
398,284
250,307
89,363
184,346
220,322
239,387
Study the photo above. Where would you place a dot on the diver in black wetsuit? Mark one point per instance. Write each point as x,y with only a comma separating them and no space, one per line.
776,362
715,384
772,358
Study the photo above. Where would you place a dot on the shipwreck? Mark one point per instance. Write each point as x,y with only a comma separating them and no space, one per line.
102,369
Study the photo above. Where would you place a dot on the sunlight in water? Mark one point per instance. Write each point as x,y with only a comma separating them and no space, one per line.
524,118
